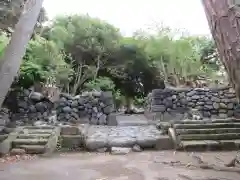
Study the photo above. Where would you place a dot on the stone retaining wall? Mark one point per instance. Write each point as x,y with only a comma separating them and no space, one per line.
179,103
31,106
89,107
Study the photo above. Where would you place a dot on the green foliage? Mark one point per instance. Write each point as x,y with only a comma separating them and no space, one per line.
139,102
43,62
101,83
79,52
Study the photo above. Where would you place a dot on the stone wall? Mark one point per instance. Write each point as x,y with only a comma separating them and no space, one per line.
31,106
179,103
90,107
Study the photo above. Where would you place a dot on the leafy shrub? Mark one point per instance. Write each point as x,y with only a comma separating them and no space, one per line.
100,84
139,102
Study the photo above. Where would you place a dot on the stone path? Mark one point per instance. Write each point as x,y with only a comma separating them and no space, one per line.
97,137
133,120
131,130
134,166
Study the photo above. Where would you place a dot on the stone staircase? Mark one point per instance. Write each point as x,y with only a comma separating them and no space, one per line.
35,140
196,135
3,134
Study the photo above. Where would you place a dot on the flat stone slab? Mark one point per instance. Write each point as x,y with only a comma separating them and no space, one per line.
98,137
133,120
120,150
122,136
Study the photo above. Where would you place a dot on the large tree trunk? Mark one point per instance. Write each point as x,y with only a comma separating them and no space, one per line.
224,21
16,48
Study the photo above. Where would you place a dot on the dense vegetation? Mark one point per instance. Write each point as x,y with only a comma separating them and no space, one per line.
78,52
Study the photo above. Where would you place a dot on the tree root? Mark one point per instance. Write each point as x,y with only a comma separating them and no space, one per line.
190,178
229,167
234,162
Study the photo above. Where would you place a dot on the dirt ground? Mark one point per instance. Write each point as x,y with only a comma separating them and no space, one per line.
133,166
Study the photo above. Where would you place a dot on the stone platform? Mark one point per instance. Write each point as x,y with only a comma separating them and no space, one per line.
104,138
133,120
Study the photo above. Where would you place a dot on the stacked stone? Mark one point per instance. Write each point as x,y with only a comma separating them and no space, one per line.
211,103
34,105
169,101
89,107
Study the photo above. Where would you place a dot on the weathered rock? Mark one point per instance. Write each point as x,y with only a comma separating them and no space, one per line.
137,148
41,107
120,150
36,96
67,109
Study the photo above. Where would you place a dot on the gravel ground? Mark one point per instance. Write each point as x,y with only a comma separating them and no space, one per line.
133,166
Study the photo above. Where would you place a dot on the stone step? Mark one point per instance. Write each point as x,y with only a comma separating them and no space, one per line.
3,137
206,126
33,136
230,120
19,142
71,141
33,149
209,145
39,127
225,136
17,151
37,131
207,131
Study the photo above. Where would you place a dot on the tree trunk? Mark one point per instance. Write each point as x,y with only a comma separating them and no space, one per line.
224,21
16,48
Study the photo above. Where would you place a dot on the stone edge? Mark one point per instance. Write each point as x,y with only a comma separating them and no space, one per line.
51,145
6,145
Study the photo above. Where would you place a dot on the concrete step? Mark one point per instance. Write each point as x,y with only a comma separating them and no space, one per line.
33,136
39,127
37,131
225,136
230,120
3,137
203,145
207,131
19,142
206,126
17,151
33,149
72,141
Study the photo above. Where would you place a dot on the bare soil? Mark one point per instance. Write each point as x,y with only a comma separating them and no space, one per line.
164,165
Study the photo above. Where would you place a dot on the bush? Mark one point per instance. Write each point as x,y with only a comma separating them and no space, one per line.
100,84
139,102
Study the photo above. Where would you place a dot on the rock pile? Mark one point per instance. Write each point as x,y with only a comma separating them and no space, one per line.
89,107
33,105
210,103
